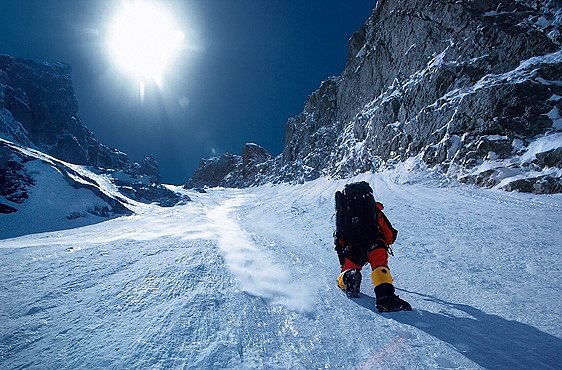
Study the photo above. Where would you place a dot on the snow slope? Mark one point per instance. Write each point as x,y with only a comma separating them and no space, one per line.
245,279
47,194
62,196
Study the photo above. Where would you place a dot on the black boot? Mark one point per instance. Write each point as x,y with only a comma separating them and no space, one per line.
352,281
392,303
387,301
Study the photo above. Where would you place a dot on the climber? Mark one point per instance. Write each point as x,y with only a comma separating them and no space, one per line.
364,234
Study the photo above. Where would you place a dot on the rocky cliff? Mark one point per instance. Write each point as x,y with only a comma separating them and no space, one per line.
39,109
471,88
230,170
39,114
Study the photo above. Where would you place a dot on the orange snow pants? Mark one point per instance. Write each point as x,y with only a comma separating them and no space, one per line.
377,257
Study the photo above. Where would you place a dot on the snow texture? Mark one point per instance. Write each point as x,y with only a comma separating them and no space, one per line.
245,279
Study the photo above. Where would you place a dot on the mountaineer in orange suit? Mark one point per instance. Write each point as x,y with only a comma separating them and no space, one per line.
354,256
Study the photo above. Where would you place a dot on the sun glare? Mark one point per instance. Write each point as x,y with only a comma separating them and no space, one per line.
144,40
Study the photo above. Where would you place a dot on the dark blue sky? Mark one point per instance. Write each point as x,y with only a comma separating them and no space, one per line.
250,66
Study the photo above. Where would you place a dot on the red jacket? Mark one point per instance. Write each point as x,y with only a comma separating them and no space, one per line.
388,233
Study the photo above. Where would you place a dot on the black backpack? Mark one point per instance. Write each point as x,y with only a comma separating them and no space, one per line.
356,214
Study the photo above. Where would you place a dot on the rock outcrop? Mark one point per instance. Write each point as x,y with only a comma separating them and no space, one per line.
230,170
38,104
466,86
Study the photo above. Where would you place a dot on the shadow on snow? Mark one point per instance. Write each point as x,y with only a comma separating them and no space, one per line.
488,340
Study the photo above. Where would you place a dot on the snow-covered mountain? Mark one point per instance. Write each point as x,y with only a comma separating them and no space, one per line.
41,193
54,173
38,109
471,88
246,279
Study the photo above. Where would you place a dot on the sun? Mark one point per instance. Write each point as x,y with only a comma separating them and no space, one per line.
143,40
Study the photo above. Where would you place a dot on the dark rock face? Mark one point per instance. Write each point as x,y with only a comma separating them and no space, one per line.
538,185
231,170
253,154
15,181
212,172
436,78
311,136
40,97
454,83
38,109
254,164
